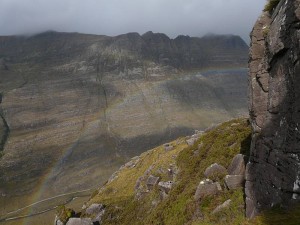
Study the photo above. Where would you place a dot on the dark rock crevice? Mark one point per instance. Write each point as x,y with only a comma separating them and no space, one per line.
277,57
6,129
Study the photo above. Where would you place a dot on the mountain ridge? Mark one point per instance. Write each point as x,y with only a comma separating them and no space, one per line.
150,46
79,106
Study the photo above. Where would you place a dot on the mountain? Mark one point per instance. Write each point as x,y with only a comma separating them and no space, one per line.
241,172
74,107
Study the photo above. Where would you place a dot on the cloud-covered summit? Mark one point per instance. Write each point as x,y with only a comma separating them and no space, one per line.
112,17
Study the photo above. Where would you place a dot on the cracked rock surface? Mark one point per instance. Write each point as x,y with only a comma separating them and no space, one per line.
273,171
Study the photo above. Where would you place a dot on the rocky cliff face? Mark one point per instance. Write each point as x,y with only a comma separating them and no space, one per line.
273,172
78,106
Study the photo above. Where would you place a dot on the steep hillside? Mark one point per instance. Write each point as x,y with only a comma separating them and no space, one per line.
76,106
132,197
182,182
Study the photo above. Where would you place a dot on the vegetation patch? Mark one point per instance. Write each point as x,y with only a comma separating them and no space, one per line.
64,213
271,5
218,145
278,215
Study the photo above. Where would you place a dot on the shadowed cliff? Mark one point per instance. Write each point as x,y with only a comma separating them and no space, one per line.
273,170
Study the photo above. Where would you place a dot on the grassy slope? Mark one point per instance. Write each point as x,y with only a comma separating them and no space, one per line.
278,216
219,145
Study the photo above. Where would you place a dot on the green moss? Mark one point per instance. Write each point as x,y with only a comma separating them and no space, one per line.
271,5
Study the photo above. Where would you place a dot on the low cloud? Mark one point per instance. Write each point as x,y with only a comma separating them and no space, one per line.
113,17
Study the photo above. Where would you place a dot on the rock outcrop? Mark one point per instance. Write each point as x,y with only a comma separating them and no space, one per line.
273,172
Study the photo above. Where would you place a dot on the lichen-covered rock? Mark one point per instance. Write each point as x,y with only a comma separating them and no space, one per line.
207,188
238,165
234,181
215,171
273,170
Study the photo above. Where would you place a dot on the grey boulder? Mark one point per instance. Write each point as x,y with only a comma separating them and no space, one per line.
234,181
238,165
207,188
215,171
152,181
96,211
79,221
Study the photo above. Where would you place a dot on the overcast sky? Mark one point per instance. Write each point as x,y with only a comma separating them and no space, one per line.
112,17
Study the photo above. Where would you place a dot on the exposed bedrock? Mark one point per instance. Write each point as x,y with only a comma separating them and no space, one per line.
273,172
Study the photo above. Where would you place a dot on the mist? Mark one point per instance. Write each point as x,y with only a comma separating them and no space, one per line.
113,17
